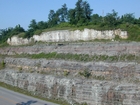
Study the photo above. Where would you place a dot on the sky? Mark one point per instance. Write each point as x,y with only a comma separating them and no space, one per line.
14,12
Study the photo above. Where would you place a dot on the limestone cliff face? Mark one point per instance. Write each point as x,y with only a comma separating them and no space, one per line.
92,92
66,35
15,40
112,81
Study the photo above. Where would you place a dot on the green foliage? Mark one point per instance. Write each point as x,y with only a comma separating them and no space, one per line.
82,13
84,103
53,18
82,57
64,24
4,44
7,33
37,32
33,24
21,35
79,17
71,16
85,73
128,18
29,33
43,55
117,38
62,13
99,77
66,73
42,25
20,69
96,19
42,72
111,19
2,65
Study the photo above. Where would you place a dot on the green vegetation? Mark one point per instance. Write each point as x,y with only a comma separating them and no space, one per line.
66,73
85,73
20,69
2,65
9,32
79,17
81,57
98,77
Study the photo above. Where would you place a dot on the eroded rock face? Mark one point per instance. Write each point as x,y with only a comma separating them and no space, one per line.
93,92
66,35
115,82
109,71
86,34
115,88
15,40
93,48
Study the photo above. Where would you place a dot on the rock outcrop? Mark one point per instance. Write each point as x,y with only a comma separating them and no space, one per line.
93,92
70,36
15,40
114,80
93,48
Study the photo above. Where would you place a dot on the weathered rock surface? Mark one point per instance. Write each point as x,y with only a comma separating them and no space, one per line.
105,70
110,83
15,40
92,48
66,35
93,92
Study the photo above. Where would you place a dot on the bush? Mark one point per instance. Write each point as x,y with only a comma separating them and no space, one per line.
66,73
85,73
21,35
37,32
20,69
64,24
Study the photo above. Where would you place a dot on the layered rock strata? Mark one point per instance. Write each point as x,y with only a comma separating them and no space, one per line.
69,36
93,92
96,82
90,48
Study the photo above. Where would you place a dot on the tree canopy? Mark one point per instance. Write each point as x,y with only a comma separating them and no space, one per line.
79,16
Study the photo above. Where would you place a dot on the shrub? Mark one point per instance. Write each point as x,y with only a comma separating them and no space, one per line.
21,35
38,32
85,73
66,73
20,69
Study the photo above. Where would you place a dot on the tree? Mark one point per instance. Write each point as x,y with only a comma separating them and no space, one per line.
128,18
42,25
87,10
5,34
138,21
51,15
72,16
111,19
79,12
96,19
53,18
33,24
63,13
29,33
18,29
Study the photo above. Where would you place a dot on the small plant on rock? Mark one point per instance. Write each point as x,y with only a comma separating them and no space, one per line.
66,73
85,73
20,69
2,65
